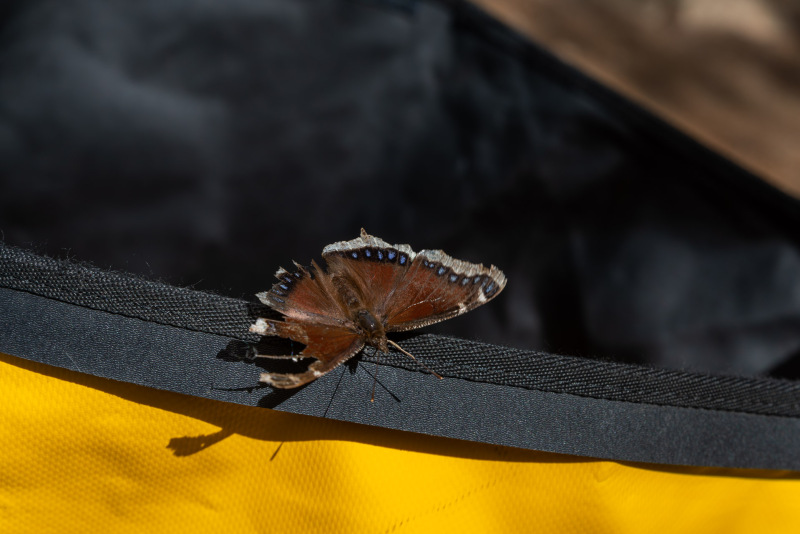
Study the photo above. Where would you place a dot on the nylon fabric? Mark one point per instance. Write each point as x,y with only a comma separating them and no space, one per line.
82,453
542,152
130,296
547,413
124,294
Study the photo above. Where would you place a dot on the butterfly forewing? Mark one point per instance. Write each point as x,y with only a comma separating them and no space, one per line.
304,295
437,287
409,290
374,272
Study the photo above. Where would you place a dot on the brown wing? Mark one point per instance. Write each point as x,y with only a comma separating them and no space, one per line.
437,287
305,295
372,266
331,346
407,290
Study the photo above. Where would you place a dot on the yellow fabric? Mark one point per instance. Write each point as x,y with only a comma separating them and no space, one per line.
80,454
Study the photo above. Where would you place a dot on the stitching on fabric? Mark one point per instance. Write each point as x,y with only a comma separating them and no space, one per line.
628,391
99,279
623,391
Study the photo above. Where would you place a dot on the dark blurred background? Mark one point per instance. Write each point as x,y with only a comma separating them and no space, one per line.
725,71
206,143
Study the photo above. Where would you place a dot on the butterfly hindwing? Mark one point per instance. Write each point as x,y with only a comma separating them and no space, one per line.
331,346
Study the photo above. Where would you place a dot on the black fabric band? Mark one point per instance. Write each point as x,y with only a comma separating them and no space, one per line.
128,329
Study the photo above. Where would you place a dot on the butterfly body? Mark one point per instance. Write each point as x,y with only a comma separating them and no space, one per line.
369,288
371,329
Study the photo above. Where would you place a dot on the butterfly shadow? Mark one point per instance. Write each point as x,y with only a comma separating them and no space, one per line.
241,352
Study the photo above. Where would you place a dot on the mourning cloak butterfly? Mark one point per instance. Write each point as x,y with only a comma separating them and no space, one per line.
370,288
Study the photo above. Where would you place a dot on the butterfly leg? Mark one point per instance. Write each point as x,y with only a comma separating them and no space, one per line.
293,380
401,349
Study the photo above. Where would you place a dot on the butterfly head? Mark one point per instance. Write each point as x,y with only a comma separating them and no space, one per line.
371,329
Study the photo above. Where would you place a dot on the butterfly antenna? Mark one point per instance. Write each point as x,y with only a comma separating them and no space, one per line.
401,349
375,378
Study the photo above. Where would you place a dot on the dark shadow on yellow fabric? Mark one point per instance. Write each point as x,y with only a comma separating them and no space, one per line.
188,445
271,425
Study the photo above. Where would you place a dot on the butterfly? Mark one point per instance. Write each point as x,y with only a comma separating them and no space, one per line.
368,289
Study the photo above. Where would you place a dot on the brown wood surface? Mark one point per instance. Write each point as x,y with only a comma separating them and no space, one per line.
726,72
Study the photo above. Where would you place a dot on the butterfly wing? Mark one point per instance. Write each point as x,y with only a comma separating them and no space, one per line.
410,290
371,266
305,295
314,317
437,287
330,345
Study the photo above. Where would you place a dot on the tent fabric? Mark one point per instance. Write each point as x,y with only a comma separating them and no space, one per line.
124,328
653,302
82,453
206,145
